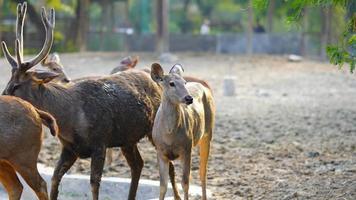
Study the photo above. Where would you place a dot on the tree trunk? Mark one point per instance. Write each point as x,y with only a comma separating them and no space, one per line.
162,45
249,46
304,33
270,14
325,31
83,25
105,22
1,1
184,24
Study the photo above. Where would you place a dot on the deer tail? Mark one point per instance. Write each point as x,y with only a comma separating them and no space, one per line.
49,121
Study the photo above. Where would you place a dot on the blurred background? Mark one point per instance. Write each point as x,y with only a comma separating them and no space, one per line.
285,120
228,26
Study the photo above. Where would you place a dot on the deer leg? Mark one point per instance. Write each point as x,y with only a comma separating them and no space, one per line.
173,181
204,150
186,174
135,162
29,172
10,181
97,166
163,165
66,160
109,156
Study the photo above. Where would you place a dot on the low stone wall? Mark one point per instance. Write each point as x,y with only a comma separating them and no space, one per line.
77,187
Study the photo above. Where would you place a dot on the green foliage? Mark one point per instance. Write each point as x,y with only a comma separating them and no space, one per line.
59,6
344,51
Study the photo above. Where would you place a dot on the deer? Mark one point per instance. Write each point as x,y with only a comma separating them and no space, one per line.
92,115
185,119
53,63
20,140
125,64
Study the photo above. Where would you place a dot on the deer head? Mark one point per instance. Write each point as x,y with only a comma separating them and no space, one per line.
53,63
173,84
21,78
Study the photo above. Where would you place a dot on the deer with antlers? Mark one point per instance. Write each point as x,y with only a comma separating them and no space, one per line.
92,115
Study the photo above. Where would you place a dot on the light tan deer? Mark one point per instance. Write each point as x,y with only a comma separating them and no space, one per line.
185,119
20,141
53,63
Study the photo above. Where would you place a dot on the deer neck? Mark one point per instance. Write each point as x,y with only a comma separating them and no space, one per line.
172,116
52,98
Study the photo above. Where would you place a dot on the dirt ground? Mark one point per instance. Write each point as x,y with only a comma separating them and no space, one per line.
288,133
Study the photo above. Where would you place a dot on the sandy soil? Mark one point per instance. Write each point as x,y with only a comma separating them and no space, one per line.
289,133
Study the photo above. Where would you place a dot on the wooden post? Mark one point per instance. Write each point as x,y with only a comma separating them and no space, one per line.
162,43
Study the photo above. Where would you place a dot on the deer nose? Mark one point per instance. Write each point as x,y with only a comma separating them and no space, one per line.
66,80
188,99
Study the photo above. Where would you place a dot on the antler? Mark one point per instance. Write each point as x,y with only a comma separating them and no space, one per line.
48,22
21,13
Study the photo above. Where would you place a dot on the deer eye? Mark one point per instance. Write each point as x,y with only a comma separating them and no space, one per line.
172,84
15,87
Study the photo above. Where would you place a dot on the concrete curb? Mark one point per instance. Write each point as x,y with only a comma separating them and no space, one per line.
75,186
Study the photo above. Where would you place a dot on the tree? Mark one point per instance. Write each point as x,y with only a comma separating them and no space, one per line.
1,1
325,13
303,45
162,26
79,25
270,14
83,24
249,45
184,25
345,50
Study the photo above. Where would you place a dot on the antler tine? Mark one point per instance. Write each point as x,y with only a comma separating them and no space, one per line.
21,14
8,56
49,23
18,52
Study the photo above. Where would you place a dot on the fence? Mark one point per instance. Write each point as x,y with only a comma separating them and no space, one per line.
276,43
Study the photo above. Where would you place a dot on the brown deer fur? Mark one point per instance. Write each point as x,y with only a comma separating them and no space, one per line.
20,141
93,115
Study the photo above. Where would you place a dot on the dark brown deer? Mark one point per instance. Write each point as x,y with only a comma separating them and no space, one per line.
53,64
185,119
93,115
20,140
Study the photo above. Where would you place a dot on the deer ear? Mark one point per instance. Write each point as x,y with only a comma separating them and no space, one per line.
177,69
51,58
156,72
44,76
54,57
134,62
